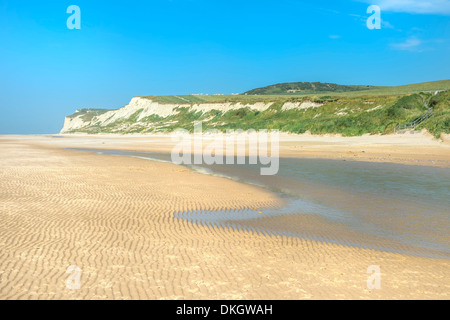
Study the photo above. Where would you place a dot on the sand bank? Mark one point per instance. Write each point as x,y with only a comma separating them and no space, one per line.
412,149
113,217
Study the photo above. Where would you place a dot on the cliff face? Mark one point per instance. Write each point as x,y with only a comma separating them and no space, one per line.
144,115
347,115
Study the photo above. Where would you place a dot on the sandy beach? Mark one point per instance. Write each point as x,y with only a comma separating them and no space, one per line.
113,217
420,148
190,151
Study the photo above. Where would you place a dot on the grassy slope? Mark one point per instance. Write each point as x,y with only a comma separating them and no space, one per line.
373,111
306,88
350,116
339,90
373,91
88,114
440,122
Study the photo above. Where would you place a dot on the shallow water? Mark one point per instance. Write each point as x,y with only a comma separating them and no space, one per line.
385,206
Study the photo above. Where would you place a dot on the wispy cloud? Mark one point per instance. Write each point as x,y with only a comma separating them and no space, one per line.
334,36
410,44
386,24
441,7
415,44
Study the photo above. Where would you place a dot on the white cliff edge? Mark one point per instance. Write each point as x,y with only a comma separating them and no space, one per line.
147,107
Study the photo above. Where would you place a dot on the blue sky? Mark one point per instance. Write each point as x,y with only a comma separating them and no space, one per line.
162,47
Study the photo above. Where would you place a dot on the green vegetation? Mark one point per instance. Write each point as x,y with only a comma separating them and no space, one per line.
305,88
440,121
322,91
88,114
197,99
375,111
350,117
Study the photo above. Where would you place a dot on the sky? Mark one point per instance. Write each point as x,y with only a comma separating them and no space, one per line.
174,47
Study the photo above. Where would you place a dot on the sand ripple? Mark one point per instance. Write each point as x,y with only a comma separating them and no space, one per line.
114,218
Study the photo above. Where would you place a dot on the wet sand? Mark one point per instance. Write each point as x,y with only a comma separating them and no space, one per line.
412,149
114,218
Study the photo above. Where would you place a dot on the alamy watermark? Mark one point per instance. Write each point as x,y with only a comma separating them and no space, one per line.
374,21
374,280
233,147
73,282
74,21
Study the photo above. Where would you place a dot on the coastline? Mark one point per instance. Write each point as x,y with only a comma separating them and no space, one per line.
113,216
420,148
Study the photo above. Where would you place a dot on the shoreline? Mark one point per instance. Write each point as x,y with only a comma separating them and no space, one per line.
113,217
220,218
410,149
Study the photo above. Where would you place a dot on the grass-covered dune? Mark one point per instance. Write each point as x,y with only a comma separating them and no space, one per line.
440,122
375,111
318,88
341,91
347,116
294,88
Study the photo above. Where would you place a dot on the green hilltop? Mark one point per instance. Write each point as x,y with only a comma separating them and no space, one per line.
353,91
350,116
361,110
315,88
307,88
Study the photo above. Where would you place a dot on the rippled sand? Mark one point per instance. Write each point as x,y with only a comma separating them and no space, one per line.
114,218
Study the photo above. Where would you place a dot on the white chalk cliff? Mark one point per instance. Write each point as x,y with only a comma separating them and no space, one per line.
143,115
143,108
